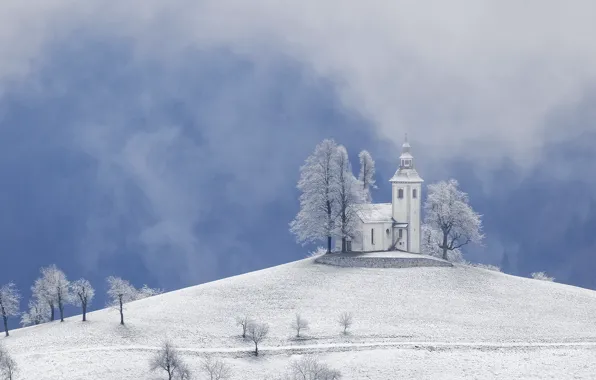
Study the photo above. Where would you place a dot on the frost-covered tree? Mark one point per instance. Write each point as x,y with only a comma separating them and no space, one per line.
243,321
257,332
447,210
348,194
316,219
309,368
542,276
146,292
8,367
53,288
367,175
168,360
216,369
39,312
299,324
345,320
430,240
505,263
82,293
9,303
120,292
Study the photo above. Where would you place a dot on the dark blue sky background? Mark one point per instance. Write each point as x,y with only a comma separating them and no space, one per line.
174,174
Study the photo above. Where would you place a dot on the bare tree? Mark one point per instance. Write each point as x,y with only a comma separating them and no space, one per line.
299,324
9,303
216,369
8,367
120,292
168,359
309,368
345,320
243,321
257,332
83,293
448,212
316,219
39,312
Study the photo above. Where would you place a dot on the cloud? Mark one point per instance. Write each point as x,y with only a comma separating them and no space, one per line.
472,79
473,76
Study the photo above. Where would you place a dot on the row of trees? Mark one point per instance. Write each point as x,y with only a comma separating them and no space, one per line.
330,193
52,290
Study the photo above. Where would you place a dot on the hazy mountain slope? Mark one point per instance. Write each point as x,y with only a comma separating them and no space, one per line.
473,316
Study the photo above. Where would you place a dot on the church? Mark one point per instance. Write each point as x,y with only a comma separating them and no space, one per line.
396,225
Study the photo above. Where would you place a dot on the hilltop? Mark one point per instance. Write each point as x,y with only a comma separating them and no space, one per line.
435,323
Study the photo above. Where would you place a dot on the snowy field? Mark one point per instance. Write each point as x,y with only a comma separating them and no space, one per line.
428,323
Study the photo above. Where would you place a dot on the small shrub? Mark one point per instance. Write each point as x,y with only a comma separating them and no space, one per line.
299,324
542,276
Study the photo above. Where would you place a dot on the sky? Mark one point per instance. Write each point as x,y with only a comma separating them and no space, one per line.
161,141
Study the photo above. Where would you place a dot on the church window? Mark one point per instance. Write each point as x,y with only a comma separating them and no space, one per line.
401,233
400,193
372,236
387,231
415,193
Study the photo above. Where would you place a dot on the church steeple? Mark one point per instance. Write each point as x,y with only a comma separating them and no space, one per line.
406,160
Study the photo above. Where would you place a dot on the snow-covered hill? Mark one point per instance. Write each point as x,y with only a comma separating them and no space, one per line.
430,323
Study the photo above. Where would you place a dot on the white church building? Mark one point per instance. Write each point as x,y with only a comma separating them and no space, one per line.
395,225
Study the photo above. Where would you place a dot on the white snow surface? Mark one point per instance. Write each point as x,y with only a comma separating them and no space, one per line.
423,323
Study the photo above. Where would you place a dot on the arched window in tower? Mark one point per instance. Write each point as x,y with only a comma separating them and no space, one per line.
415,193
372,236
400,193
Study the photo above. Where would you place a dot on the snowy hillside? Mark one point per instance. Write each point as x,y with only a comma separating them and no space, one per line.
439,323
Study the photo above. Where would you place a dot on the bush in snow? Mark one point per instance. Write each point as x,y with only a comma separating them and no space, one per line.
257,332
9,303
542,276
8,367
146,292
299,324
319,251
494,268
345,320
309,368
168,360
243,321
452,220
39,312
120,292
216,369
82,293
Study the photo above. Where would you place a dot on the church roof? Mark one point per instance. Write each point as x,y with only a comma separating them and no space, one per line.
375,212
406,175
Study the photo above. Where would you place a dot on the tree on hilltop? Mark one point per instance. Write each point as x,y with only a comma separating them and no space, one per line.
53,288
318,212
367,174
348,193
83,293
9,303
451,220
120,292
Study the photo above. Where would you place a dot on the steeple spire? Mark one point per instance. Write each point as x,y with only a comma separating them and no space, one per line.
406,160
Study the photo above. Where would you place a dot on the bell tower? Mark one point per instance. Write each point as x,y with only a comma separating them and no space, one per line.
406,187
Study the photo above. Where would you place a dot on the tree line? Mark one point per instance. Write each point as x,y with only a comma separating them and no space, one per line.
53,291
